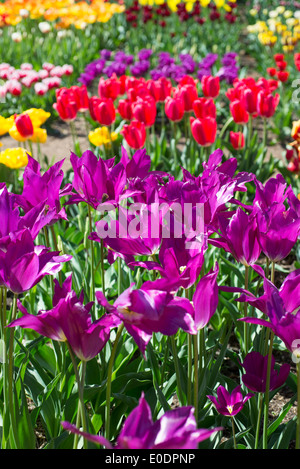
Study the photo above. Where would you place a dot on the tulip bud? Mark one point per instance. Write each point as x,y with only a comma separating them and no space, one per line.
134,134
204,130
24,125
210,86
238,112
237,140
174,109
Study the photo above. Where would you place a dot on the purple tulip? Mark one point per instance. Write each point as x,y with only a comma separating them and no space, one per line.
278,231
176,429
280,306
255,376
95,180
227,403
145,310
43,189
205,298
23,264
239,236
70,321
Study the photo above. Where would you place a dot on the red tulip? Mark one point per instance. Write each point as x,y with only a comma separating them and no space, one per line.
210,86
81,97
238,112
249,98
187,93
134,134
272,71
267,104
237,140
109,88
104,111
204,107
174,109
66,105
278,57
144,110
283,76
159,89
124,109
204,130
24,125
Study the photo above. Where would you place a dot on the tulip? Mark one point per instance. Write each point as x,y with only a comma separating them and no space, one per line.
81,97
159,89
24,125
94,181
204,130
267,104
109,88
205,298
144,110
283,76
229,404
124,109
23,265
66,105
69,321
187,93
204,107
104,111
174,109
210,86
278,231
134,134
237,140
175,429
238,112
255,376
239,236
144,311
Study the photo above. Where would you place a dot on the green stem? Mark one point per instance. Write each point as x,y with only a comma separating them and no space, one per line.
165,362
109,380
225,127
196,376
81,414
233,433
246,311
265,133
267,394
10,373
261,396
92,286
176,364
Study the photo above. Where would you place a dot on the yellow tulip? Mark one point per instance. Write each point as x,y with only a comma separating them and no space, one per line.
101,136
14,158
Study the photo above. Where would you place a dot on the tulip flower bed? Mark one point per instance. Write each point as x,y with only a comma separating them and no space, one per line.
149,279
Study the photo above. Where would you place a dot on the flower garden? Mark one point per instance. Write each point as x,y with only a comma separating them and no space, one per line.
149,224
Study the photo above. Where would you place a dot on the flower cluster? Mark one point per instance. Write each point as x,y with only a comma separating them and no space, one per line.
280,24
64,14
280,71
157,12
162,64
43,80
252,98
